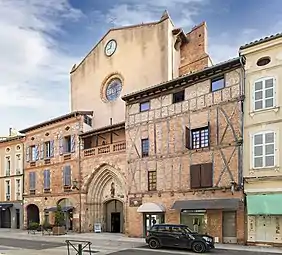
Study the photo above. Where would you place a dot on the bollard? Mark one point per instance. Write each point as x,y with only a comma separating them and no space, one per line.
79,249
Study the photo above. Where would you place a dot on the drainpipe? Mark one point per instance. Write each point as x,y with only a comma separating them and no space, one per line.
79,181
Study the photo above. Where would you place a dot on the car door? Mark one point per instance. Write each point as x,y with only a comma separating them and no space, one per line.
166,236
181,239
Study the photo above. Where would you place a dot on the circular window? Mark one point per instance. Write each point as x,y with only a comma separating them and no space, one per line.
18,147
263,61
8,149
113,89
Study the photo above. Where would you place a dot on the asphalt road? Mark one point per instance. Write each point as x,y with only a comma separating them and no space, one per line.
28,244
146,251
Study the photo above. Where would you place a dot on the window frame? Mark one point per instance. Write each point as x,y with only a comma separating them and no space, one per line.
142,103
201,129
201,169
253,149
217,78
142,151
263,80
154,183
175,93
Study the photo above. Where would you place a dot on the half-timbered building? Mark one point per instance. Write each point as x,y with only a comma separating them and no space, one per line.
184,150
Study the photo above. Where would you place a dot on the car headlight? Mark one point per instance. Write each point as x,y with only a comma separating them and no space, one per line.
207,239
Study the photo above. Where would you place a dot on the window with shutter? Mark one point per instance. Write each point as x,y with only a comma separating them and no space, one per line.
67,176
264,93
195,176
46,180
200,137
206,175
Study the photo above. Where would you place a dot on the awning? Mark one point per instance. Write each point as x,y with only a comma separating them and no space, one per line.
268,204
207,204
53,209
150,207
4,206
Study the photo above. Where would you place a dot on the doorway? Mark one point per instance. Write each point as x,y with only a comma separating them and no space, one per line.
115,222
5,218
113,216
18,221
32,214
150,219
265,228
229,230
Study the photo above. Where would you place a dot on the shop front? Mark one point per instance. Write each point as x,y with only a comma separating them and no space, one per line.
153,213
217,217
264,218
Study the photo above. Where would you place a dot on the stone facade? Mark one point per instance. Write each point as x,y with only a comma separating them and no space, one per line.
11,182
165,125
40,191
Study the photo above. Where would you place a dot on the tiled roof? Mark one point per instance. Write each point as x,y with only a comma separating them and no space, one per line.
183,77
262,40
57,119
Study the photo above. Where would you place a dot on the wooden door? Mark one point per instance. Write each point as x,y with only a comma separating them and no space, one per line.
229,227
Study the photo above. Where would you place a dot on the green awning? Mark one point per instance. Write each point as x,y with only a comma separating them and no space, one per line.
268,204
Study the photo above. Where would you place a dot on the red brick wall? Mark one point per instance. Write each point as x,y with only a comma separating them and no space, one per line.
194,55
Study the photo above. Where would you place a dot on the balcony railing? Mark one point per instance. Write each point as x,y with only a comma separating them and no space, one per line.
105,149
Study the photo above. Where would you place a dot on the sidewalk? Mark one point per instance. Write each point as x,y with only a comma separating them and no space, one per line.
107,238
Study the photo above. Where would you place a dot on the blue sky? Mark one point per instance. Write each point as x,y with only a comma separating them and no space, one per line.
41,40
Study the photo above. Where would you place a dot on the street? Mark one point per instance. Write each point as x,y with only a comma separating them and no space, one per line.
11,246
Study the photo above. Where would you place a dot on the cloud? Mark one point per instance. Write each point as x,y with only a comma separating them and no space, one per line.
226,45
135,11
34,68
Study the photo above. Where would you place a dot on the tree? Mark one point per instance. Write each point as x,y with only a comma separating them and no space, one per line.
59,217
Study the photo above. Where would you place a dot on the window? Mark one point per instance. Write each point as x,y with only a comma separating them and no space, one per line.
8,166
145,106
47,149
33,151
264,94
67,144
263,61
200,138
201,176
67,176
264,150
217,83
113,90
87,120
145,147
18,189
32,182
18,164
152,180
46,180
178,97
197,138
8,191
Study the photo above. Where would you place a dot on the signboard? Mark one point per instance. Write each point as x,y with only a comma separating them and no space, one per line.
97,228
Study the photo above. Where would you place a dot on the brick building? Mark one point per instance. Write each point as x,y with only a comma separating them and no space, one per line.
184,150
11,181
52,168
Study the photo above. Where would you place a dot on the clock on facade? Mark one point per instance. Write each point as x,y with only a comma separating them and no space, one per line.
110,47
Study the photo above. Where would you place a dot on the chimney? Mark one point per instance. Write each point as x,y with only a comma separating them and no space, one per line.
10,131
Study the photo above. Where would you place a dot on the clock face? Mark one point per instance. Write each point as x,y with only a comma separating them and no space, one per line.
110,47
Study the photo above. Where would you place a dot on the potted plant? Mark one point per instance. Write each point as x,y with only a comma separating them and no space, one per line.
59,226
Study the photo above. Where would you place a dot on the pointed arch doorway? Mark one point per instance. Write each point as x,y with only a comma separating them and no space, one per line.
113,211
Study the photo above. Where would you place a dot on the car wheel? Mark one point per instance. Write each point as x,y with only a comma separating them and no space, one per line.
199,247
154,244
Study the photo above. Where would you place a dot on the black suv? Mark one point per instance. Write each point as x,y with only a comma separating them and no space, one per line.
177,235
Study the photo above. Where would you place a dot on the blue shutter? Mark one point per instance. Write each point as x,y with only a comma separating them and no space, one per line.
27,153
72,143
48,179
34,180
36,152
30,180
61,145
42,151
52,148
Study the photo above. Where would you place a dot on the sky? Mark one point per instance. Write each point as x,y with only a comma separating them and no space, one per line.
41,40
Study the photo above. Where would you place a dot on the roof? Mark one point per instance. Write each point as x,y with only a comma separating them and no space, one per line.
164,17
184,80
262,40
104,129
10,138
55,120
